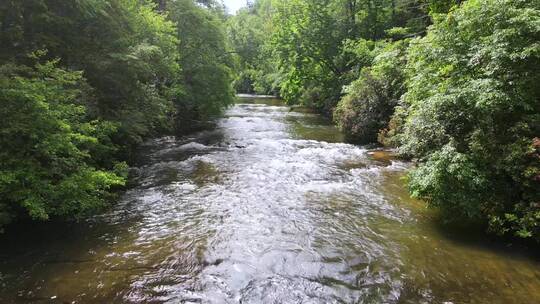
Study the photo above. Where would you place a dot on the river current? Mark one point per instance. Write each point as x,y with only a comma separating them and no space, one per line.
270,206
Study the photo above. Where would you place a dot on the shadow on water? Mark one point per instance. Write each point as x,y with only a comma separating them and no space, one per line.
270,206
460,233
38,259
459,263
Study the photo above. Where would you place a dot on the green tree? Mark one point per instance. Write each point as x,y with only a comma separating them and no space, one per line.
65,131
473,112
206,63
313,39
47,145
249,33
125,49
370,100
308,43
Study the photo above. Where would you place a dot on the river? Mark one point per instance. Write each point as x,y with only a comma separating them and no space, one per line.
269,207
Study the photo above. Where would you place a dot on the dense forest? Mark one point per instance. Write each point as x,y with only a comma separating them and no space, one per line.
84,82
450,84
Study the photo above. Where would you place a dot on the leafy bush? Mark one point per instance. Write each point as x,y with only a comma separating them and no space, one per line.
206,63
370,100
126,50
474,113
145,72
46,145
245,81
249,31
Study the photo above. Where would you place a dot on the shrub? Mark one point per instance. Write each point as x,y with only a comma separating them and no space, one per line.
370,100
473,113
46,146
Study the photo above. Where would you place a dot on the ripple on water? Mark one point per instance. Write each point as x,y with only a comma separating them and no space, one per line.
260,210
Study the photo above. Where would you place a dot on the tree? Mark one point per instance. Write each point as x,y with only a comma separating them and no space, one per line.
249,33
110,77
47,145
312,41
125,49
206,63
474,113
370,100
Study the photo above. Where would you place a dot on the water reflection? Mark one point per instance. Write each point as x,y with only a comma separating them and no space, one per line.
270,207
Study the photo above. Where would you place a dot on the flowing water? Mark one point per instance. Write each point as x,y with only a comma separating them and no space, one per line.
269,207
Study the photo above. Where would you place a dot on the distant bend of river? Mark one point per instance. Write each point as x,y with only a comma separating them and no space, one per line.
269,207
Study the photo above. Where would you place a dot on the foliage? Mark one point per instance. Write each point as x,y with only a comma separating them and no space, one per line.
249,33
125,49
473,113
321,44
307,43
47,145
370,100
145,69
206,63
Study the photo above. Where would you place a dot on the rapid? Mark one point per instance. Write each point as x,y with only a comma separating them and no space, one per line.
270,206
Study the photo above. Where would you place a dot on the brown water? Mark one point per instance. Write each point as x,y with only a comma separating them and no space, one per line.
270,207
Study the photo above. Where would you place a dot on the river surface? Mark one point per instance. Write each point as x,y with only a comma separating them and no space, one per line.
269,207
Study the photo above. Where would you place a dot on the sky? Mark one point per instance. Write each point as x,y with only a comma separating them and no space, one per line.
234,5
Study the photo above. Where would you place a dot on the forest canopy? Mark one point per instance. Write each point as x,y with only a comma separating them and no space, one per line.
84,82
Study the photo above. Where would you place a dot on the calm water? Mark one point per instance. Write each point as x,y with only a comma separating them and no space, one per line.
270,207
